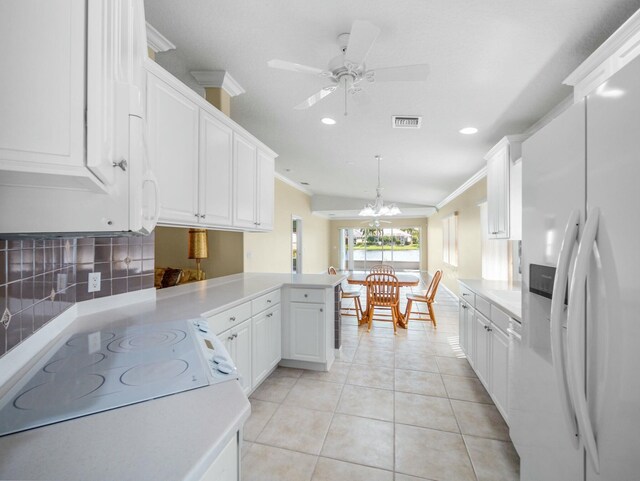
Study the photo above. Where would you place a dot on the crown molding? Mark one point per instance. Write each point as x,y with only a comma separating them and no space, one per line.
293,184
218,79
471,181
156,41
605,51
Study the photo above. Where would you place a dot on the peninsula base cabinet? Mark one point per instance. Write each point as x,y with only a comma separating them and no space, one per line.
237,341
484,341
308,334
226,466
266,349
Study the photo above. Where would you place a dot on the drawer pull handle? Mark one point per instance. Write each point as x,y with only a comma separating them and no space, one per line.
231,319
268,301
465,294
269,315
230,338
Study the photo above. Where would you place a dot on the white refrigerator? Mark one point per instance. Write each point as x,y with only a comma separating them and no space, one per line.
575,399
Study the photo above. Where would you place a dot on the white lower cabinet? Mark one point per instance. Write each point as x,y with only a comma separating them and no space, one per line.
306,331
266,344
486,346
466,315
226,465
237,341
482,348
499,374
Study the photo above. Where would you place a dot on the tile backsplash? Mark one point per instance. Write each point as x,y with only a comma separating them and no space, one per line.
39,279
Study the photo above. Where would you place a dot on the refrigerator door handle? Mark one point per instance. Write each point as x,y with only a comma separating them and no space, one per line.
558,354
575,333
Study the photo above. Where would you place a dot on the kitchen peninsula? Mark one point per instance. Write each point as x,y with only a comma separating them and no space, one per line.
193,428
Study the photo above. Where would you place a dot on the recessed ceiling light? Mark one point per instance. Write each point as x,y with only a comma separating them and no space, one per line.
328,121
468,130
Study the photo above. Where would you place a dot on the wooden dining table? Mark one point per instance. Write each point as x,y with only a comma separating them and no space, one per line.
404,280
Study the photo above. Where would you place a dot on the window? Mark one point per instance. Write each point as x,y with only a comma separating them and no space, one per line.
450,239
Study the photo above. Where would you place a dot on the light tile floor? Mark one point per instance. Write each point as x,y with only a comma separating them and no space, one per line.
393,408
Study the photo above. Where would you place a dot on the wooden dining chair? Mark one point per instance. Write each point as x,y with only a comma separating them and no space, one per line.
428,297
383,291
353,294
382,268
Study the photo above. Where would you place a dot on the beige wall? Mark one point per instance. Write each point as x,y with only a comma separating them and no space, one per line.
271,251
225,251
469,237
336,225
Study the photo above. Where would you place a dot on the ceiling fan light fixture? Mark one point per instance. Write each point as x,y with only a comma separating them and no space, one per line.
377,208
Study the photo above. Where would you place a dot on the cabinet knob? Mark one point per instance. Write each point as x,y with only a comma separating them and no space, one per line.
269,315
268,301
463,306
306,295
235,335
231,319
202,216
485,327
321,309
230,338
489,329
494,233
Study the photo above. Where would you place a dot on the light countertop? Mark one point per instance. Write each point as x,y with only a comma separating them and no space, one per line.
506,295
171,438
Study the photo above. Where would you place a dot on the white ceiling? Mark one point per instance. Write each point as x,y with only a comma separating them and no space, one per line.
495,64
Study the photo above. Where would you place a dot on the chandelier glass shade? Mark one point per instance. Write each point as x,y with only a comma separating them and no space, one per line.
377,208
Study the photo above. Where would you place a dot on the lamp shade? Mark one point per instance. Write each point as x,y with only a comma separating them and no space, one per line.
198,245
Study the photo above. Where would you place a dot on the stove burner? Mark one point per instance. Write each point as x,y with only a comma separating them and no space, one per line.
154,372
82,340
147,340
62,391
73,363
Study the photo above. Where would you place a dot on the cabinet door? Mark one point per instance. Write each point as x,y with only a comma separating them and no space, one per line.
275,333
261,348
173,151
470,323
500,369
498,193
463,310
481,348
216,173
307,332
42,87
245,188
265,191
225,466
242,353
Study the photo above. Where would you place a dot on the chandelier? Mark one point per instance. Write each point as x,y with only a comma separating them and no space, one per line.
377,208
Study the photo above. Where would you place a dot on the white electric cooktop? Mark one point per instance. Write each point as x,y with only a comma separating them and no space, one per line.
98,371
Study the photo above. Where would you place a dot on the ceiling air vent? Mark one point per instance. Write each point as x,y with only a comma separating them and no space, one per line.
406,122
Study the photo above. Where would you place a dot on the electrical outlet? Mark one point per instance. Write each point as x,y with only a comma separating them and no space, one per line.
94,281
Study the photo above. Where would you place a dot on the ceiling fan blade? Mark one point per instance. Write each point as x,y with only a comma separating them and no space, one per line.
311,101
296,67
361,38
406,73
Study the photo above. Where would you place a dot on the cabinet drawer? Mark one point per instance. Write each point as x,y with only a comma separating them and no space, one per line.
264,302
499,318
307,295
229,318
483,306
468,295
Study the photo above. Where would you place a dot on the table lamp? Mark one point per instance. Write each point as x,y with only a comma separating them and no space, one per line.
198,248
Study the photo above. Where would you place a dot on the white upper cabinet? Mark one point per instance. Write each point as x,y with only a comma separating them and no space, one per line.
499,161
173,148
43,91
245,185
216,171
72,125
212,173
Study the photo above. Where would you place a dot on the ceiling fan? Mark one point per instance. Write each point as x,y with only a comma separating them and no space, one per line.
348,70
